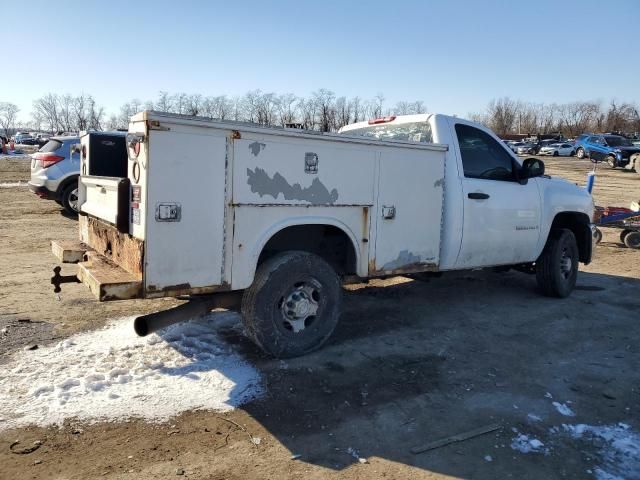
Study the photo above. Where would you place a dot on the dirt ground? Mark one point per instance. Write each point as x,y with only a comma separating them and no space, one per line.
411,362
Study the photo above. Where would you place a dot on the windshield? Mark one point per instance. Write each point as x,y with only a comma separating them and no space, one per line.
412,132
618,142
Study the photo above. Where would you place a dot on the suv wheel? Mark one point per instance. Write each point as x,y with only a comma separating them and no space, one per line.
293,304
580,153
611,161
557,266
70,198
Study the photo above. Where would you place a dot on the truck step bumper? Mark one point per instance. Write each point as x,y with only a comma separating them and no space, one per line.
69,251
108,281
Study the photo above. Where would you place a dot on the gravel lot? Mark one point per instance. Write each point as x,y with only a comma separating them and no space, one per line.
410,363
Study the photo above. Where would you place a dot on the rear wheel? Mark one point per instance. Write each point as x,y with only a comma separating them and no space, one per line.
70,198
557,266
623,234
555,153
293,305
580,153
632,240
611,161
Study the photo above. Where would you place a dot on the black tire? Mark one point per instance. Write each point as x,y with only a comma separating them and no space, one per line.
557,267
598,235
572,153
580,153
69,198
623,234
555,154
611,161
632,240
293,305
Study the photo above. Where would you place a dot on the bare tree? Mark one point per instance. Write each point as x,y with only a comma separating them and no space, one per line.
8,113
287,111
325,108
47,108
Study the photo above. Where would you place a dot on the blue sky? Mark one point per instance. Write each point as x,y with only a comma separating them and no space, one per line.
454,55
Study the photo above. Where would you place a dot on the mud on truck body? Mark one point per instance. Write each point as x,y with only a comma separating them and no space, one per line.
273,221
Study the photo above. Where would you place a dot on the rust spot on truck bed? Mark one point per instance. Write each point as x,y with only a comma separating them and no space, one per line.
121,248
153,291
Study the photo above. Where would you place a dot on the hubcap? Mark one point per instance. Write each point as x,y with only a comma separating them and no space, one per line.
299,306
566,264
73,199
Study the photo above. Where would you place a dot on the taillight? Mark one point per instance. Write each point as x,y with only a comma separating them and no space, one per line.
375,121
47,159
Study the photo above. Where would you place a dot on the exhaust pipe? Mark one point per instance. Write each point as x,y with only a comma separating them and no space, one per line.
194,308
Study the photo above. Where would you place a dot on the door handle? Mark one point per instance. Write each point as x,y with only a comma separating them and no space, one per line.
478,196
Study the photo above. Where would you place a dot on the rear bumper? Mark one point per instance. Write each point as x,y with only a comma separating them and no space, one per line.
43,192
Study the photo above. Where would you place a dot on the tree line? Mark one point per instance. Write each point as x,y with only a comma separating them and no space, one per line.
507,116
322,110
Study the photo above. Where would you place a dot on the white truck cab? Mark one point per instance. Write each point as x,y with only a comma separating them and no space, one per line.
273,220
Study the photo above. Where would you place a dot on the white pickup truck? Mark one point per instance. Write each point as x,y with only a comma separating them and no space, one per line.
273,221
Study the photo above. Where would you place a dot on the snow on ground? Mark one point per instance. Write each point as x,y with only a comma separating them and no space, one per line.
563,409
527,444
618,446
12,184
111,374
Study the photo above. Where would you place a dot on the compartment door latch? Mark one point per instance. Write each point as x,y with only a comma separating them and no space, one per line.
168,212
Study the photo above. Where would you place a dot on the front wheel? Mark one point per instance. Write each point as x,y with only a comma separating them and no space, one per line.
580,153
293,305
555,154
557,266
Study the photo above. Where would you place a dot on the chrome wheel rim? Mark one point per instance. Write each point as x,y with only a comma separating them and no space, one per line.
73,199
299,306
566,264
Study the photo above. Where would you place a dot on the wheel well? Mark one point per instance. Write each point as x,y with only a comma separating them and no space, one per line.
578,223
327,241
65,183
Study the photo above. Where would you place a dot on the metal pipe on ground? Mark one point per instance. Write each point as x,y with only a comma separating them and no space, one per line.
194,308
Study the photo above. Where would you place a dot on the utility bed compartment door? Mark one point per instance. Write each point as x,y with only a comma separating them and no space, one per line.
278,170
409,212
106,198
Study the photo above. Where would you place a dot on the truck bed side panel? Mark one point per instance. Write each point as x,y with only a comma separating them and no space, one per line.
254,226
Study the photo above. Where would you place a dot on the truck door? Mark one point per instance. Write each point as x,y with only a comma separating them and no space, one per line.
597,149
501,216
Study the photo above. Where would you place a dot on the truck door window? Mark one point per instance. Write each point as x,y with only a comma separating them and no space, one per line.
482,156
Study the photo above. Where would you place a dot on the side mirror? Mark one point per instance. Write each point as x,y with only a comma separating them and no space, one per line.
532,167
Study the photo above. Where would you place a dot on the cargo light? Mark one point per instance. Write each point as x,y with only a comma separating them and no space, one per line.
376,121
47,159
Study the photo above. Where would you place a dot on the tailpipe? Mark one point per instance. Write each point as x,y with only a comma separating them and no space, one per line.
194,308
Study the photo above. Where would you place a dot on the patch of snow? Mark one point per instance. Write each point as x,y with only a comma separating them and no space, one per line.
548,395
488,458
12,184
533,417
618,446
112,374
526,444
563,409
